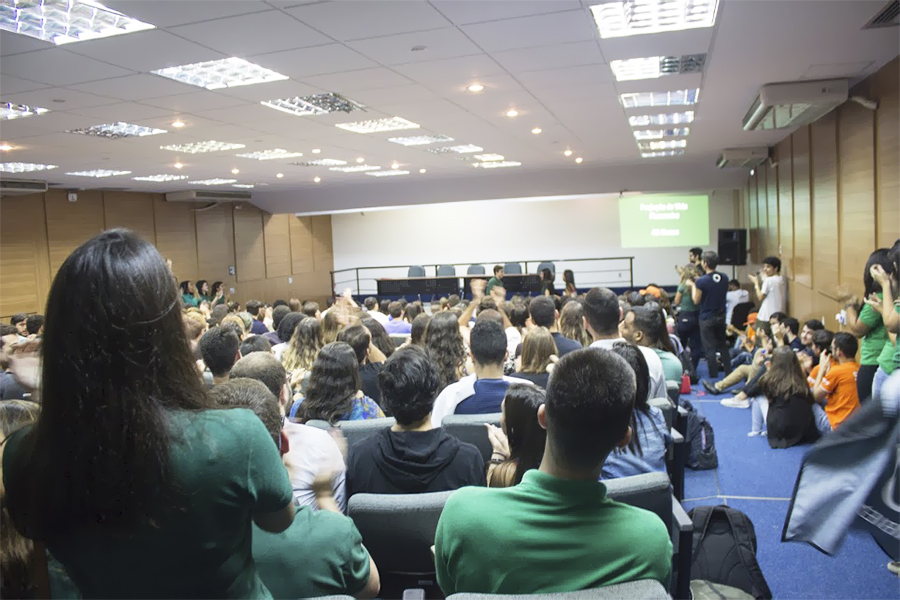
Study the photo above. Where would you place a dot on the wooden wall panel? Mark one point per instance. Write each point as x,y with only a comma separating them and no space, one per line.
69,224
823,149
803,251
131,210
301,244
772,239
215,244
277,232
24,260
786,206
886,89
856,160
176,237
762,174
753,233
323,253
249,247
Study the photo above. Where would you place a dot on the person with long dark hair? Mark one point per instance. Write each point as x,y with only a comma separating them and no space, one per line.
202,287
380,337
547,287
537,350
571,323
445,345
217,294
131,477
189,294
335,389
889,307
569,280
302,349
784,411
518,444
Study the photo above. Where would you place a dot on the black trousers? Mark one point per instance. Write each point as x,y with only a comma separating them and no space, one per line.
712,332
689,334
864,378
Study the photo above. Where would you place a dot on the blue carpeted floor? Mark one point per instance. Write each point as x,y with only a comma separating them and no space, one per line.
759,481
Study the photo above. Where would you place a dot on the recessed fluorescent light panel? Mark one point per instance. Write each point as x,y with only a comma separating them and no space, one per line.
270,154
462,149
214,181
246,186
317,104
376,125
321,162
10,111
662,153
218,74
99,173
661,119
662,145
636,17
488,157
202,147
656,66
356,168
420,140
160,178
114,131
17,167
658,134
65,21
650,99
389,173
498,164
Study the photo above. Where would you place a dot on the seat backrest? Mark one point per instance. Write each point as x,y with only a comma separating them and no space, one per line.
446,271
512,269
667,408
475,270
356,431
547,265
416,271
399,339
739,314
650,491
648,589
673,391
471,429
319,424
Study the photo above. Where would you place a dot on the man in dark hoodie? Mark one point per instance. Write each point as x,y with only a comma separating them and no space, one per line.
411,457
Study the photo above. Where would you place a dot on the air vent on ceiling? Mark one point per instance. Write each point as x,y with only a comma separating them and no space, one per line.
207,196
889,16
746,158
18,187
784,105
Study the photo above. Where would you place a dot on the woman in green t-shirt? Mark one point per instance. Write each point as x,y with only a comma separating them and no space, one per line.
217,293
687,322
131,478
189,295
888,305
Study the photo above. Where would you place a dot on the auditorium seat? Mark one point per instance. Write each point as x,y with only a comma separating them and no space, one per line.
512,269
355,431
645,589
446,271
677,455
475,270
471,429
398,338
398,531
416,271
547,265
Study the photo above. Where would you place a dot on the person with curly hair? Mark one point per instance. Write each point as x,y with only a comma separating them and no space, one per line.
445,345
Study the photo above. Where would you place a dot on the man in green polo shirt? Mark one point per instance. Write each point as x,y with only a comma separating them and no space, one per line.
557,531
495,281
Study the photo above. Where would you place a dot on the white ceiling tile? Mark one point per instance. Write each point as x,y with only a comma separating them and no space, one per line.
14,85
670,43
304,62
462,70
52,122
13,43
56,99
135,87
425,114
130,112
395,95
247,113
251,34
146,50
849,70
355,19
353,81
464,13
56,66
169,14
271,90
666,83
569,77
526,32
398,49
550,57
196,102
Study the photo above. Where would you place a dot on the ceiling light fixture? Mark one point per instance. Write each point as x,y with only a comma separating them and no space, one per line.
279,175
115,131
377,125
178,124
316,150
317,179
360,160
202,147
422,171
488,157
316,104
461,149
321,162
498,164
662,145
662,153
648,99
160,178
270,154
386,173
10,111
579,160
214,181
17,167
512,113
235,171
420,140
66,21
355,168
536,130
5,147
567,153
475,88
637,17
218,74
178,165
99,173
653,67
248,186
662,119
656,134
395,165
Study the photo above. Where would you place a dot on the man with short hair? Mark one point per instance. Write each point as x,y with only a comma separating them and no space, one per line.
602,315
34,325
18,321
412,456
255,343
557,531
542,313
821,341
371,359
311,309
771,294
496,280
833,383
278,313
809,328
735,296
789,329
642,327
220,348
325,542
258,312
709,292
371,305
395,323
483,391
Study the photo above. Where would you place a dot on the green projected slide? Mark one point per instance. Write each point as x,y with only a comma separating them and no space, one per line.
655,221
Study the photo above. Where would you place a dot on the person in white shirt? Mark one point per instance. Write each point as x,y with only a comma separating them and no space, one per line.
771,291
733,297
371,305
602,315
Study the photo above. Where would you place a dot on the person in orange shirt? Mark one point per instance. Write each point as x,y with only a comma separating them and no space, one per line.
833,383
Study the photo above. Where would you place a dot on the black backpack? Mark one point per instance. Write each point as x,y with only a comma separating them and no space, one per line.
724,550
701,440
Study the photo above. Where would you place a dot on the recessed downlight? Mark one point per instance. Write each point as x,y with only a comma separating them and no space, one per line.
317,179
567,153
178,124
475,88
235,171
579,160
178,165
537,130
316,150
360,160
422,171
279,175
512,113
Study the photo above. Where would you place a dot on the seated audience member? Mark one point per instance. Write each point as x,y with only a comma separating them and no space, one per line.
419,330
446,348
784,411
189,295
412,310
194,327
571,323
312,450
371,305
588,408
602,315
569,280
335,392
396,324
537,349
380,337
806,337
301,352
543,313
10,389
258,312
517,313
453,300
286,328
255,343
236,324
645,327
278,313
787,331
412,456
821,341
311,309
126,506
483,391
646,451
217,314
547,287
328,544
518,444
371,359
220,348
217,294
18,321
751,374
772,292
332,323
295,305
833,383
34,325
734,296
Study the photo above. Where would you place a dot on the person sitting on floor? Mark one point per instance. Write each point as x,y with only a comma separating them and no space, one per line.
518,444
833,383
412,456
763,351
538,351
481,545
784,413
821,341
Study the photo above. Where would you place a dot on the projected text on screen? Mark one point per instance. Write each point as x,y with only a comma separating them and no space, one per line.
653,221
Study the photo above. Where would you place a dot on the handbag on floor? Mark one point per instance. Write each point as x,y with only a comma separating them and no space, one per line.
701,440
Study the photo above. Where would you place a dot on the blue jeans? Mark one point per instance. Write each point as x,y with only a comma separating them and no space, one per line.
880,377
759,407
822,423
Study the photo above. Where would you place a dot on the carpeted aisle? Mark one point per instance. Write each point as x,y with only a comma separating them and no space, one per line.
759,481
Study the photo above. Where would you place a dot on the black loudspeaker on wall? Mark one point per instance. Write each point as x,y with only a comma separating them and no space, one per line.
733,247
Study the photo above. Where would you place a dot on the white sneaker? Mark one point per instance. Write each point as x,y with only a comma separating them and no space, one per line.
755,433
735,403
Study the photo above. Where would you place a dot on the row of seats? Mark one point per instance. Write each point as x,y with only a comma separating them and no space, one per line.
450,270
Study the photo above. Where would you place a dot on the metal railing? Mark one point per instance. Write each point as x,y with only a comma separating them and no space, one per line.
617,271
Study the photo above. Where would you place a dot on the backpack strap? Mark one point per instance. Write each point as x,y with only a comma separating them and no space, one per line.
701,516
